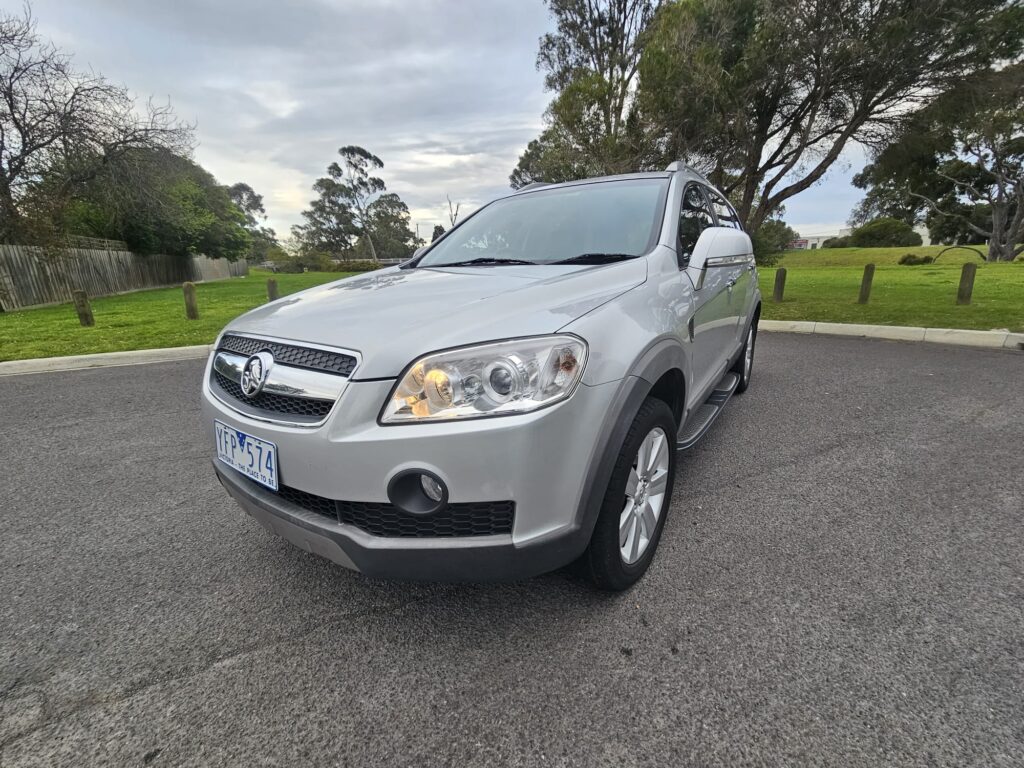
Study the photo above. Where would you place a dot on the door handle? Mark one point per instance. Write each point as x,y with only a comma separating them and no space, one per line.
731,283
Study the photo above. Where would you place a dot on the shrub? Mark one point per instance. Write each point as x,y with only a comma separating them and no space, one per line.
912,259
836,242
357,265
322,262
884,233
771,240
765,256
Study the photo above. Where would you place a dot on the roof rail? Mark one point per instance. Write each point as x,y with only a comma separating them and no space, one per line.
679,165
534,185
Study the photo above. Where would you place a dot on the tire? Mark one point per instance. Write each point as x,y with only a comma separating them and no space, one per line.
744,365
604,561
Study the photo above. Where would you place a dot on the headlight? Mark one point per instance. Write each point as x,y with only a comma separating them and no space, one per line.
488,380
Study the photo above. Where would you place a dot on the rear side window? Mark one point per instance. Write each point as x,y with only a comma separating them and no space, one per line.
694,218
726,213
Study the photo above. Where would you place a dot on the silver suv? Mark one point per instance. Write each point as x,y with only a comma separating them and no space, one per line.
507,402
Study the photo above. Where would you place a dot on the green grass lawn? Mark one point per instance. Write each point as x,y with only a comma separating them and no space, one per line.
821,285
142,320
858,257
900,295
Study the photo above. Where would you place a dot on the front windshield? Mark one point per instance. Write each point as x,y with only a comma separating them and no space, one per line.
547,226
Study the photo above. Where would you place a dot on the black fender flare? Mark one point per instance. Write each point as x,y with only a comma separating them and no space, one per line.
662,356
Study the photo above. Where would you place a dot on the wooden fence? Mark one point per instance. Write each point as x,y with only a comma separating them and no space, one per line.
30,276
205,268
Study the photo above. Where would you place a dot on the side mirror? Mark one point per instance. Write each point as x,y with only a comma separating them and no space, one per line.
702,249
416,254
718,247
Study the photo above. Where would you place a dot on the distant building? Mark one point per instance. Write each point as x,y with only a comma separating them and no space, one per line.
812,242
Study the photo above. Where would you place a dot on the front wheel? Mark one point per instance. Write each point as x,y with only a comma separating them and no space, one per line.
744,365
636,503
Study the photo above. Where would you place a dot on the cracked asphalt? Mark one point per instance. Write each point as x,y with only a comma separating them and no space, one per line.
840,582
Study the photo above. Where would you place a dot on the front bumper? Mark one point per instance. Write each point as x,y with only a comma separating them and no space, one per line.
476,558
543,461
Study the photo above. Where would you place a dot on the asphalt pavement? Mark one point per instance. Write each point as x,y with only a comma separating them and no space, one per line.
840,582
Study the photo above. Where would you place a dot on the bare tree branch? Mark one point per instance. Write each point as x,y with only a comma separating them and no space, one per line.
453,213
60,127
935,207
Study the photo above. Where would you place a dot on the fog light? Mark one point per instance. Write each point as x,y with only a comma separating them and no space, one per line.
418,492
432,488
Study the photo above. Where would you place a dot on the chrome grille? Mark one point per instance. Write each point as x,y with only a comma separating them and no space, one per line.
275,404
298,387
337,363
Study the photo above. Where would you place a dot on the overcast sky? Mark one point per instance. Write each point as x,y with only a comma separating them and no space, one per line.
445,92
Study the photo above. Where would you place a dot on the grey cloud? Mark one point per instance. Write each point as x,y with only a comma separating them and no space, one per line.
445,91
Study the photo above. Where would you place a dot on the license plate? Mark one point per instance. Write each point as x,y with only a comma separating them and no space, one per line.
254,458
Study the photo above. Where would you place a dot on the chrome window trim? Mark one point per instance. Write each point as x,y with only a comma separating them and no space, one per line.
713,262
736,260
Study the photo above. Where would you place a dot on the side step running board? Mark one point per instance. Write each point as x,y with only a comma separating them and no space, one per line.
700,420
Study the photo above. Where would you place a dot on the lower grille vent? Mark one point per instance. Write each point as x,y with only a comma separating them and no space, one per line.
480,518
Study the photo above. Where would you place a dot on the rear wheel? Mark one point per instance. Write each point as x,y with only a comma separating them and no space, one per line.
744,365
636,502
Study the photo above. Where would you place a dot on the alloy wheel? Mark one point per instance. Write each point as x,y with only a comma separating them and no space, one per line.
748,355
645,496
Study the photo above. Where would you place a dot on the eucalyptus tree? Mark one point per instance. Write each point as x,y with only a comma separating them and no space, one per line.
764,95
591,63
352,205
961,161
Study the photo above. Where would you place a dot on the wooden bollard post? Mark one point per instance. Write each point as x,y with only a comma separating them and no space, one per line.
865,284
963,293
780,284
191,308
272,292
83,309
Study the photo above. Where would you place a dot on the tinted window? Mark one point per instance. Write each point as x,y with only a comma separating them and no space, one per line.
694,218
726,214
549,225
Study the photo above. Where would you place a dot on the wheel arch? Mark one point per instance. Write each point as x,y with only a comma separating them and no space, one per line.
660,371
663,367
671,389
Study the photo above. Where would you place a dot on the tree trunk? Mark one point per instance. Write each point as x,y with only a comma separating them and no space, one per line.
369,240
746,208
9,218
1000,251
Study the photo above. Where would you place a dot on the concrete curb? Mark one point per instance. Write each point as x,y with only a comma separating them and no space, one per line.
103,360
955,336
985,339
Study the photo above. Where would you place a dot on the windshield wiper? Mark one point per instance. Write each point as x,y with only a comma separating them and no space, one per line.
595,258
482,261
